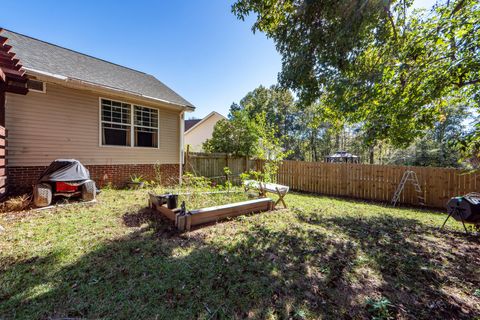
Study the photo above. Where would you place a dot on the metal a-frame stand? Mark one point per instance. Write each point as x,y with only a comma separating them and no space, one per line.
455,211
411,176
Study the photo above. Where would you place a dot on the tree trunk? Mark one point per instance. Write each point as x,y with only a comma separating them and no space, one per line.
380,154
337,141
312,146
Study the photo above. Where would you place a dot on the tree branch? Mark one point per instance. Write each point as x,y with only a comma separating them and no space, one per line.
466,83
457,7
390,18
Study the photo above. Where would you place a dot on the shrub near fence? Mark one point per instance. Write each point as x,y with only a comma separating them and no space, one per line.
360,181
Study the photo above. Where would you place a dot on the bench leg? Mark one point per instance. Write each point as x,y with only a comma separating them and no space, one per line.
283,201
280,199
262,193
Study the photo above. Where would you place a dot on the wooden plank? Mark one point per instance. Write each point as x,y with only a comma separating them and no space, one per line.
221,214
188,222
433,186
329,178
2,112
15,89
166,212
181,223
217,213
3,40
6,47
10,63
366,182
153,202
356,181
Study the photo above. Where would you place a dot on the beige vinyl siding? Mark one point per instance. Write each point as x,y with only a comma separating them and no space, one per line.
197,135
64,123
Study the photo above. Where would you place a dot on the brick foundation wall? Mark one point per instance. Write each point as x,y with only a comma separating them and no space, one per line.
21,179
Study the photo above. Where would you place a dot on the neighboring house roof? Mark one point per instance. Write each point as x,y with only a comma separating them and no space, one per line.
342,154
200,121
43,57
190,123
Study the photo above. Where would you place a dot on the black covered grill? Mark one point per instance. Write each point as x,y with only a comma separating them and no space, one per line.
466,208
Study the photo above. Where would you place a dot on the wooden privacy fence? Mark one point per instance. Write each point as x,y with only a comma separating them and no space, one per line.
211,165
377,182
360,181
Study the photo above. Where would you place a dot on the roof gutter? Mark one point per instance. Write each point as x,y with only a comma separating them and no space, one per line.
62,79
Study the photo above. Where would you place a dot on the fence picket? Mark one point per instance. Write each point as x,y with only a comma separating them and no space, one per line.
362,181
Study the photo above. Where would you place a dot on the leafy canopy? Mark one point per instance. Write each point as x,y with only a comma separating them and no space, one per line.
242,135
377,62
237,136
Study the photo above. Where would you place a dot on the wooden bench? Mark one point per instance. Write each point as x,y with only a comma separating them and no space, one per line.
264,187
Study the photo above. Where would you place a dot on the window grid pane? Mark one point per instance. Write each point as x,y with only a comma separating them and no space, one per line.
146,117
116,123
115,135
117,112
146,127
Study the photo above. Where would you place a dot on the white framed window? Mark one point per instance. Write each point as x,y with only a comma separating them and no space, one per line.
36,85
127,125
145,127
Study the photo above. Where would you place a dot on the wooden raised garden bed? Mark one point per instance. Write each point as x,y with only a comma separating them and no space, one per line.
184,221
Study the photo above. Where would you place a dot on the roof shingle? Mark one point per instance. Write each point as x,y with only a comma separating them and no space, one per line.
45,57
191,123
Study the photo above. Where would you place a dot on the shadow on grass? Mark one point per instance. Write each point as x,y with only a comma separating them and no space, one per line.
292,272
372,203
420,265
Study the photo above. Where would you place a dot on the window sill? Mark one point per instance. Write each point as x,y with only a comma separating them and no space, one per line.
128,147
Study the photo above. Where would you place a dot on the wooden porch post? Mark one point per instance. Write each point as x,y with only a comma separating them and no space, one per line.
2,104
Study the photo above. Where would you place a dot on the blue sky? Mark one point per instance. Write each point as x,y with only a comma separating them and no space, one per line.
196,47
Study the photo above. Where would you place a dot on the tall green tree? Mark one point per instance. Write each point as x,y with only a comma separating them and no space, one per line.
241,135
238,135
378,62
280,111
277,103
437,147
470,146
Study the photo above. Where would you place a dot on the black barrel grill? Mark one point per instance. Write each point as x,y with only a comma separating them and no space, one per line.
465,209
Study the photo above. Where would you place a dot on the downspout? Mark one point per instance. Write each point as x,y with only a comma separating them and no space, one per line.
182,129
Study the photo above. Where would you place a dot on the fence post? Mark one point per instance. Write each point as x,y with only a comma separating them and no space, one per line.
226,165
187,158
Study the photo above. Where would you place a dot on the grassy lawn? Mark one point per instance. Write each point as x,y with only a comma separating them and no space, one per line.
323,258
